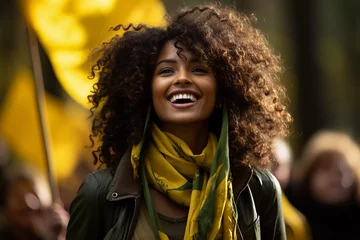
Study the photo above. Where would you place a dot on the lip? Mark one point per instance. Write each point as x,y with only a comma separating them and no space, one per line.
182,105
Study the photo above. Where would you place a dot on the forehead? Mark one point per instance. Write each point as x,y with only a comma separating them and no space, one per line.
170,51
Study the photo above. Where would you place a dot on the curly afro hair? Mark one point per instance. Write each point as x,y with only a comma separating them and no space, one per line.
244,65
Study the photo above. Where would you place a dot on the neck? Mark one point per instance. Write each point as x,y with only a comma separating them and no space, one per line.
195,134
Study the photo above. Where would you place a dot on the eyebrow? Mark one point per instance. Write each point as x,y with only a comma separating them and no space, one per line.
192,60
165,61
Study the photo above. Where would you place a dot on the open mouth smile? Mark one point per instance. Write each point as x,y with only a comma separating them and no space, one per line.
184,99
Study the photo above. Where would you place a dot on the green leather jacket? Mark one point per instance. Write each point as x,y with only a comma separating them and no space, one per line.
107,206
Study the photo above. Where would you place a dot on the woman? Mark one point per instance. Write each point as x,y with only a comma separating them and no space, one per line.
328,189
185,115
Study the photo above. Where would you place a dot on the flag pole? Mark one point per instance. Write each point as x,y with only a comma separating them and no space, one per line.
41,110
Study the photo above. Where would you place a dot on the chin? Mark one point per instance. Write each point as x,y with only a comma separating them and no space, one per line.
182,120
183,116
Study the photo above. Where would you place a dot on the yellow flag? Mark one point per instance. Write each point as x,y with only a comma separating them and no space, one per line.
70,29
20,126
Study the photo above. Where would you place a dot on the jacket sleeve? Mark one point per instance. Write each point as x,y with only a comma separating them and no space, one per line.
270,207
85,211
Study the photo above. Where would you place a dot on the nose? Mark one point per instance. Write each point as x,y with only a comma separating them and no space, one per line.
183,78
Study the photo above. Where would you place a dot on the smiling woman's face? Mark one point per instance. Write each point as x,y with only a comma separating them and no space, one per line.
183,88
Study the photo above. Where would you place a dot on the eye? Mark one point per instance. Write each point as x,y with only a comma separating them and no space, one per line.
200,70
166,71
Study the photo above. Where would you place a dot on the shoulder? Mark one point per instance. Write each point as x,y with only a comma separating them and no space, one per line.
266,191
265,188
264,177
264,181
96,183
102,178
93,189
86,210
260,205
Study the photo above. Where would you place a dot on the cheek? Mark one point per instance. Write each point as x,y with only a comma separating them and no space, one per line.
158,91
211,92
159,87
155,90
348,180
318,183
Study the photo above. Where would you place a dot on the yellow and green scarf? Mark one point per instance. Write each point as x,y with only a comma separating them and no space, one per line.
201,182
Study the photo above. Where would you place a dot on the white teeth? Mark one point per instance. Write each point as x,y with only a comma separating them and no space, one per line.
183,96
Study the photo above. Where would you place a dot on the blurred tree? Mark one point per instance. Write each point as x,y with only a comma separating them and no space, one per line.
350,18
11,51
313,111
326,34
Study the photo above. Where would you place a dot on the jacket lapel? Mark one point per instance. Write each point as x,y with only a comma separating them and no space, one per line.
241,179
124,184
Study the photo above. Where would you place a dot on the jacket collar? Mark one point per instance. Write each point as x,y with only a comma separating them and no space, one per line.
241,179
124,184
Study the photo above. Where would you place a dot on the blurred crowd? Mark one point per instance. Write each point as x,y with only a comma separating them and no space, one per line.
27,210
321,192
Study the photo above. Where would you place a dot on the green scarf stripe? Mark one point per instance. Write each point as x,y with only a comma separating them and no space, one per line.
206,215
207,212
199,180
222,151
147,120
154,218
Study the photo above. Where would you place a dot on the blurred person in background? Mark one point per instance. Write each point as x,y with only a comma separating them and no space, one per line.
296,225
26,213
327,186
